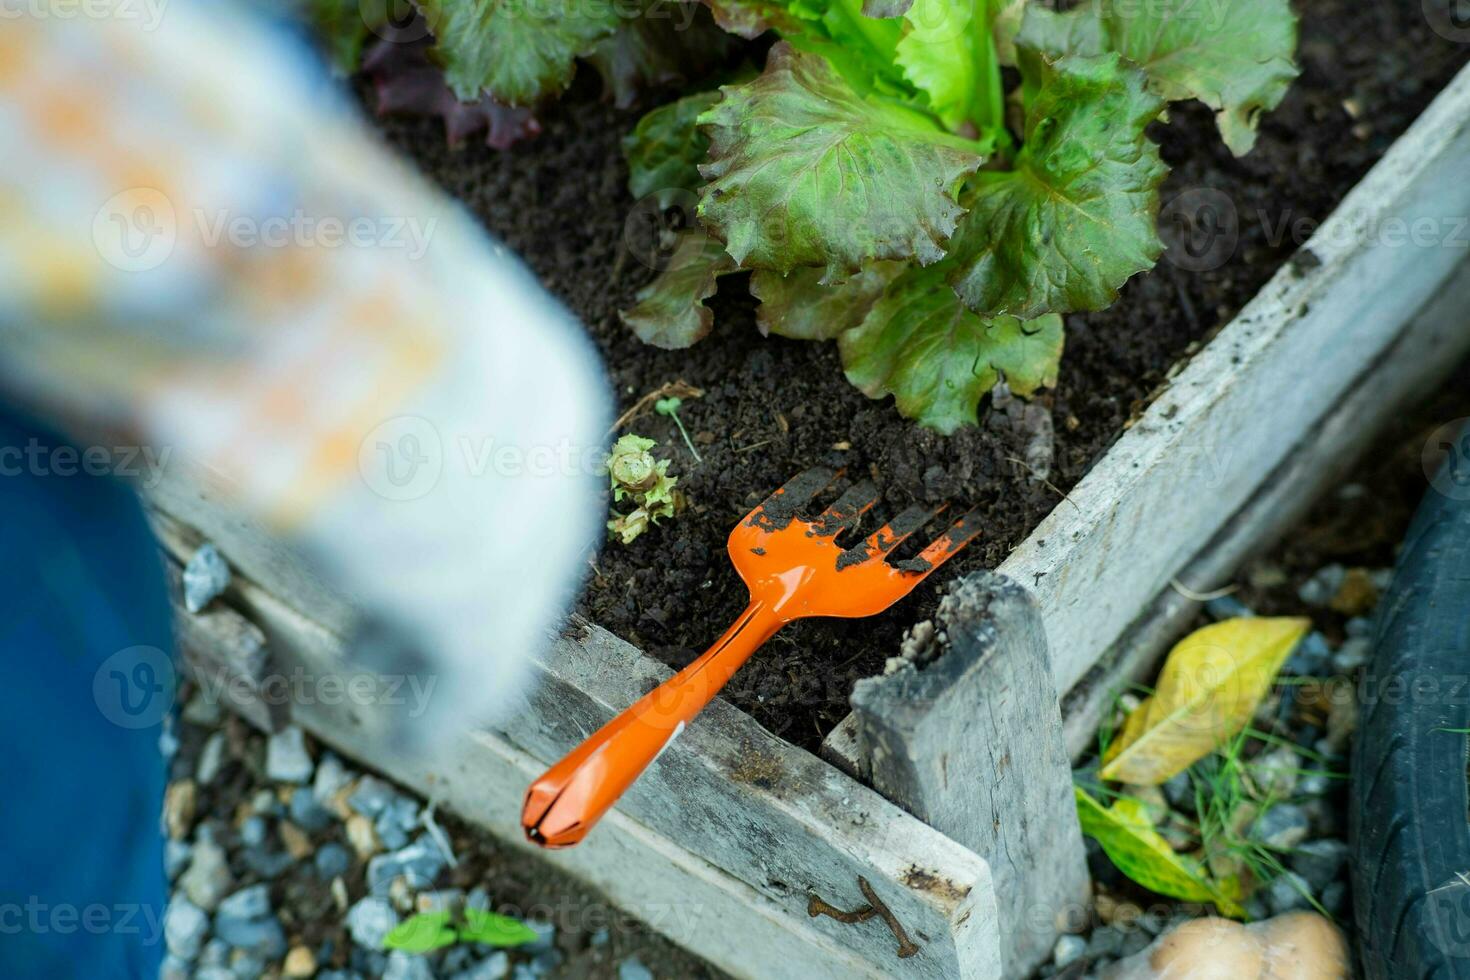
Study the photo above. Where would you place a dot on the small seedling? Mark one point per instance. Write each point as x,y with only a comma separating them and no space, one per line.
428,931
635,474
670,407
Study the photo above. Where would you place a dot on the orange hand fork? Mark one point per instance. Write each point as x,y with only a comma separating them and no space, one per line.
794,568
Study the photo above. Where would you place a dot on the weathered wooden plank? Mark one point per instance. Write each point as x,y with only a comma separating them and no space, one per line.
1258,390
721,843
1434,342
971,743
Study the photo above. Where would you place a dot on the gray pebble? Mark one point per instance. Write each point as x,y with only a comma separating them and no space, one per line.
215,973
1334,897
371,797
407,966
494,967
1283,826
1359,626
1227,607
202,711
176,857
173,968
369,962
1288,893
1314,784
184,927
1068,950
286,758
1353,654
211,759
1179,791
339,975
419,862
247,903
216,953
168,741
253,832
632,968
1104,941
370,921
1320,862
331,776
1134,940
600,937
478,898
245,965
545,936
1311,657
263,937
1320,588
205,576
307,812
332,860
208,878
266,862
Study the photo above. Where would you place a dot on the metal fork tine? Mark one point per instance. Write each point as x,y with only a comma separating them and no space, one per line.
892,534
848,509
947,545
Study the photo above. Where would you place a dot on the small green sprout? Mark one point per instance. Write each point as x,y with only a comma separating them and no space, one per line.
670,407
429,931
635,474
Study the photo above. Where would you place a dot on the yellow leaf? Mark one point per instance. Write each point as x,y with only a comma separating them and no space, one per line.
1208,690
1137,850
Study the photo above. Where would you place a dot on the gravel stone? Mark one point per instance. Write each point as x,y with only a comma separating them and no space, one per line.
307,811
208,877
173,968
407,966
1284,826
253,831
1320,589
1311,657
247,903
332,860
1227,607
1288,893
211,759
1068,950
419,862
331,776
176,857
371,797
1353,654
370,921
286,758
205,576
184,927
632,968
263,937
1320,862
494,967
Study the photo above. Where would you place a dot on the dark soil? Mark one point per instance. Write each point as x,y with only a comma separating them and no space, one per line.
773,407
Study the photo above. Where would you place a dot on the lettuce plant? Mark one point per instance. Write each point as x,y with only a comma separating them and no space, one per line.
889,190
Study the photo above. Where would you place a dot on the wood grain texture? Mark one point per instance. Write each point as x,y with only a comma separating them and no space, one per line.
971,743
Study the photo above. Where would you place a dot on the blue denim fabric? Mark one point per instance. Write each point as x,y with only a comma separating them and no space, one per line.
85,644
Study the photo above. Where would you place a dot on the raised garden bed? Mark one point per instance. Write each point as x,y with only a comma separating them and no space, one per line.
736,828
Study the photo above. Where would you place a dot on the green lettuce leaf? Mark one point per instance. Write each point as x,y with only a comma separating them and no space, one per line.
670,312
804,171
1235,56
946,52
666,147
516,50
752,18
800,307
1076,218
920,344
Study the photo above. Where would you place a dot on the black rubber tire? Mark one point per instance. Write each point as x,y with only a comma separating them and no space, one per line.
1409,803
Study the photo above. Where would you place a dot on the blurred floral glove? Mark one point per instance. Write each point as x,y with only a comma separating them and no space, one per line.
201,242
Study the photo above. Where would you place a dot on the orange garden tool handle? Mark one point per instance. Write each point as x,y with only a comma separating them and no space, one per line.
569,799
